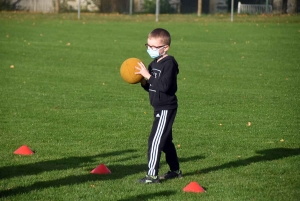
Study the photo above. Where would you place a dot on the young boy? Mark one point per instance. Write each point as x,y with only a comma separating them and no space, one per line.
160,80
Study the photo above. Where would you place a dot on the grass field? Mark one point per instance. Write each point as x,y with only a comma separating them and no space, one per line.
238,123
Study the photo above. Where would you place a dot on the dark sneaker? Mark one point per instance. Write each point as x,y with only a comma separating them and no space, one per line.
171,175
150,180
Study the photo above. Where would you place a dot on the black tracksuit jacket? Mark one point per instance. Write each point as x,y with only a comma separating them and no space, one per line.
162,84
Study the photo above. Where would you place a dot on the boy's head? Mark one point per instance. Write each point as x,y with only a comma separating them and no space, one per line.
158,42
161,34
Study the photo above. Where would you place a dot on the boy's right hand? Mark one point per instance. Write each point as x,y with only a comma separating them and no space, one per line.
142,70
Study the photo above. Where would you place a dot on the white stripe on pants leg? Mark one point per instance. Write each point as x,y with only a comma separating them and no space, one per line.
156,142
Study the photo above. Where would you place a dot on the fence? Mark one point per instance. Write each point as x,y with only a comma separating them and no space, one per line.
48,6
45,6
254,8
102,6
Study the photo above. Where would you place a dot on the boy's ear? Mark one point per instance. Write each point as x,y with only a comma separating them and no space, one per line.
167,48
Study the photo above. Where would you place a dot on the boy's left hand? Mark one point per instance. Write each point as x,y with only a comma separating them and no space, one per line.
143,71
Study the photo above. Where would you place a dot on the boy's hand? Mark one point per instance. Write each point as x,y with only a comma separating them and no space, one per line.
143,71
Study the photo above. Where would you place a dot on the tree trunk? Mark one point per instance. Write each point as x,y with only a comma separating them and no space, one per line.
291,6
57,6
199,11
277,6
212,6
114,6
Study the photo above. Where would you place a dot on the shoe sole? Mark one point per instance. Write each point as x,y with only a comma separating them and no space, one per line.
148,182
151,182
177,177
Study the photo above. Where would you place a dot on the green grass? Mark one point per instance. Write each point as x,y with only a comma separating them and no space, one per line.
65,99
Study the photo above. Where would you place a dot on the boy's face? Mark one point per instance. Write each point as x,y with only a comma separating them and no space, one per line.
156,43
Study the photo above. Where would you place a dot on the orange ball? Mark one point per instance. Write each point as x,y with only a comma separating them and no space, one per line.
128,70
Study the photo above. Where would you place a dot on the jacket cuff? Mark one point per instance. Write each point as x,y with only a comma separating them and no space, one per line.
150,81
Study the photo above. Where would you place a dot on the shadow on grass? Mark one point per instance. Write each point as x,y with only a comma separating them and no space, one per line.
265,155
118,172
77,179
148,196
58,164
191,158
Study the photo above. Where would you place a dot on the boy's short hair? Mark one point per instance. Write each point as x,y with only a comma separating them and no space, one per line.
161,33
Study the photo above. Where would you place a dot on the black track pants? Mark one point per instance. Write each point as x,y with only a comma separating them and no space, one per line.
160,139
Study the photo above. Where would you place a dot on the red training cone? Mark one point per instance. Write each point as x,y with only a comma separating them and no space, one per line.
101,169
24,150
194,187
